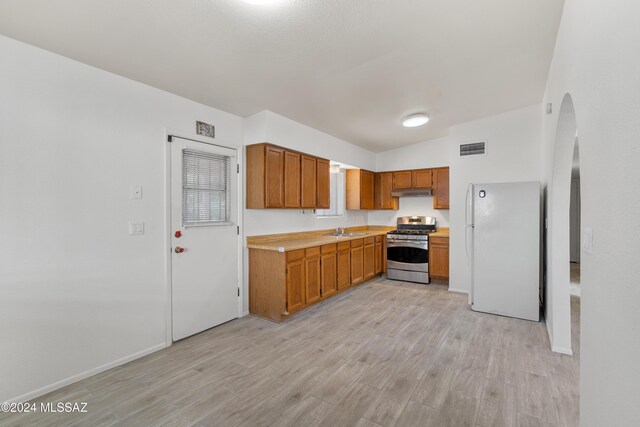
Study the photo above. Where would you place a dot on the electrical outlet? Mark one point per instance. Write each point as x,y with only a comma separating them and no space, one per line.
136,228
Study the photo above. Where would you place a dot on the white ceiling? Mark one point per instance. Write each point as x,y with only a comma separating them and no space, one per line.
351,68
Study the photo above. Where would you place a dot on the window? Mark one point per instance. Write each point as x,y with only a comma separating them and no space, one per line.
206,195
337,194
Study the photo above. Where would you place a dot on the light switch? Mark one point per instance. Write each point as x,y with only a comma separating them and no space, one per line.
136,228
587,240
136,191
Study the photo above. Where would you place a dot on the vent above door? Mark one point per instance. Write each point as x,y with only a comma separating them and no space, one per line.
472,149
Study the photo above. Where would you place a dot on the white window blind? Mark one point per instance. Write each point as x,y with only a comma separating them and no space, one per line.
206,196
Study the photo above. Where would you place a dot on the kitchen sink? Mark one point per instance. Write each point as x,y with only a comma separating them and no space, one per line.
347,234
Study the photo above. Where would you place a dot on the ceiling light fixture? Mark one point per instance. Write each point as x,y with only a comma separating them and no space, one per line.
415,120
261,2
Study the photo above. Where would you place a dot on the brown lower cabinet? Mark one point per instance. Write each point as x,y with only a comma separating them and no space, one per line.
369,258
344,265
296,297
329,270
282,283
312,273
379,248
439,258
357,261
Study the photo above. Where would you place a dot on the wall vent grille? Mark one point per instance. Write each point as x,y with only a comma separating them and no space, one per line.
472,149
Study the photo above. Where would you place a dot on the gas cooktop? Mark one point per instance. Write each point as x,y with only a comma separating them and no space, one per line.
413,228
411,232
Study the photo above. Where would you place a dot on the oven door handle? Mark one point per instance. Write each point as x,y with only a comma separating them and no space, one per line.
409,244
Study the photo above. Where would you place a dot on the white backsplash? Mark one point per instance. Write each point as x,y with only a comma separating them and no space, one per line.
422,206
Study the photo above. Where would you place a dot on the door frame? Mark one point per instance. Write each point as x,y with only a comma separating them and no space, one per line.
168,133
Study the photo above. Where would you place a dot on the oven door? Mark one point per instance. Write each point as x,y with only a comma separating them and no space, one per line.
405,255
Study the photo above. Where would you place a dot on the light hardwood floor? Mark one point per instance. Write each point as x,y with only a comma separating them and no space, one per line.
384,354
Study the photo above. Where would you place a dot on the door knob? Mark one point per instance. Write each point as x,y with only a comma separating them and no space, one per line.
179,250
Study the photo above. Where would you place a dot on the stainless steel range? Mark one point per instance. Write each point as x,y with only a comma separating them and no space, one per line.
408,249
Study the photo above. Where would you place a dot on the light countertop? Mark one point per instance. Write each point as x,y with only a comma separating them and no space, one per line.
308,242
442,232
295,241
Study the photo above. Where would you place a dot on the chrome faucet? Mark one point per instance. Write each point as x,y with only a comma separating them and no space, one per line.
341,230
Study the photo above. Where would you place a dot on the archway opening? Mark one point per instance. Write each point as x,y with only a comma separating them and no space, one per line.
558,236
575,212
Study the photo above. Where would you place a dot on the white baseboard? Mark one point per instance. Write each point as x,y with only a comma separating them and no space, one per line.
458,291
555,348
86,374
562,350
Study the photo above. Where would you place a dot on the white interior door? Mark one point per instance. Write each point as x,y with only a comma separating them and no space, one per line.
204,250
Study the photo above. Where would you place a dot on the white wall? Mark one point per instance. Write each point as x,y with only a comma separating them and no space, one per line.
422,205
596,61
513,154
78,292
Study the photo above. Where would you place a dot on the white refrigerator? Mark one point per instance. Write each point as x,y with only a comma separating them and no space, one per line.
503,234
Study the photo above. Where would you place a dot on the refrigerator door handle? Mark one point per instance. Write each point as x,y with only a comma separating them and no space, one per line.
467,213
469,230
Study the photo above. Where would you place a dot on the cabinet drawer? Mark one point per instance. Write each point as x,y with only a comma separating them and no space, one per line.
344,246
311,252
327,249
356,243
439,241
369,240
379,239
295,255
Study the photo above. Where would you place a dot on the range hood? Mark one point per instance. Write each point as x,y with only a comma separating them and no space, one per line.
417,192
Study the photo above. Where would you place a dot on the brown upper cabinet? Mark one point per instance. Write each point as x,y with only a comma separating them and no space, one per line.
383,184
422,178
281,178
441,188
360,189
265,176
412,179
402,180
323,184
291,180
308,182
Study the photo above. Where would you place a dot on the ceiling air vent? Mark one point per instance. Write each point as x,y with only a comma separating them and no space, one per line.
472,149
